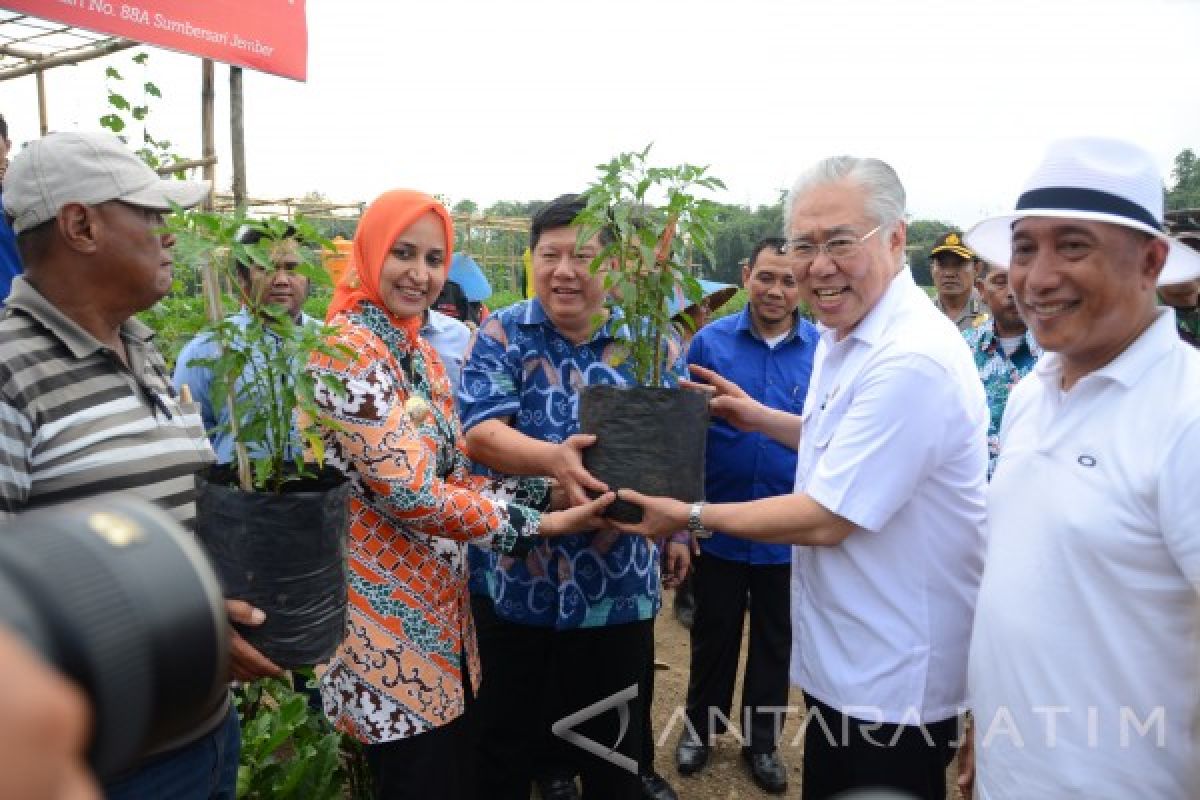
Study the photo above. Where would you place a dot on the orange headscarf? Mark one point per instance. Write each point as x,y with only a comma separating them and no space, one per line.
389,216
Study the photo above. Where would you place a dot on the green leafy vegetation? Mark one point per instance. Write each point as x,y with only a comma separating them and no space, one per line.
655,220
291,751
266,356
124,114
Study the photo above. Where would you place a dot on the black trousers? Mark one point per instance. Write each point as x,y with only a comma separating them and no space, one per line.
534,676
646,762
438,763
843,753
722,588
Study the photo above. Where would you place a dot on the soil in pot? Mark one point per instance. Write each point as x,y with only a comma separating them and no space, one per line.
650,440
284,553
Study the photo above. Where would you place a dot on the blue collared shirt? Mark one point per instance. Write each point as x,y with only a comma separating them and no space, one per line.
10,261
999,373
449,338
215,412
521,367
747,466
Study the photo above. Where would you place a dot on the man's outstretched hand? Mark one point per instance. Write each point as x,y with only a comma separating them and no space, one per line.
729,401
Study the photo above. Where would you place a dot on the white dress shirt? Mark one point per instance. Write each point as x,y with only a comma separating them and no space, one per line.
895,441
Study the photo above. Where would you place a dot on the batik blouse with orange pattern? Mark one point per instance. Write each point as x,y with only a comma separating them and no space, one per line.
414,507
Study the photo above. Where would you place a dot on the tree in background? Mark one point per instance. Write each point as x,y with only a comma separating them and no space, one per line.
1185,193
736,231
922,233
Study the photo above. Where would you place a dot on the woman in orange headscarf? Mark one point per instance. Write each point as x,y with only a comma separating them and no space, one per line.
403,679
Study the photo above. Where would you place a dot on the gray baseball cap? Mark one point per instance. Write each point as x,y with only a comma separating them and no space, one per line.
88,168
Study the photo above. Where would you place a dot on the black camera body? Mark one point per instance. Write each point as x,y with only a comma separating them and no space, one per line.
117,596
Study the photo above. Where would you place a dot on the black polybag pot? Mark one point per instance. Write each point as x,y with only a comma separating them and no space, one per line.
647,439
284,553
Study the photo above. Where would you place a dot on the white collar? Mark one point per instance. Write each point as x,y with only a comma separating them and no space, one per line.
874,323
1129,366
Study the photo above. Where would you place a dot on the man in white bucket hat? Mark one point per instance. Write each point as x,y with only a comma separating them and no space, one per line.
1085,655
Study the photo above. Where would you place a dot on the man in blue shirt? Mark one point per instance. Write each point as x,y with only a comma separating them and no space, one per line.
10,262
284,288
571,624
768,350
450,338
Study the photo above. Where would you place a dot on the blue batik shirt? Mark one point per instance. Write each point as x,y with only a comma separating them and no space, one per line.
522,368
742,466
999,373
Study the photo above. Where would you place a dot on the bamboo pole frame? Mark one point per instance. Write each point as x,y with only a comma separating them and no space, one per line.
237,131
40,63
208,147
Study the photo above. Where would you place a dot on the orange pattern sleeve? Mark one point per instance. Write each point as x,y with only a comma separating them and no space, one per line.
404,447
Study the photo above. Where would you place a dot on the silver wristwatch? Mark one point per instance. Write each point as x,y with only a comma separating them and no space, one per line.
694,525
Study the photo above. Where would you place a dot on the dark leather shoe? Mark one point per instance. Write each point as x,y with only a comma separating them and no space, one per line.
655,787
768,771
557,789
690,756
686,615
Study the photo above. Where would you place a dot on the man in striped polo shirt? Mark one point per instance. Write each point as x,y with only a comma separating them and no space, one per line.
86,407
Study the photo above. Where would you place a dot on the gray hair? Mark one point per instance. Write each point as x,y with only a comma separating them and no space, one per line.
885,193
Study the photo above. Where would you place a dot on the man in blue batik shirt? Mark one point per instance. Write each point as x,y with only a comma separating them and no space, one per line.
768,350
1004,350
574,619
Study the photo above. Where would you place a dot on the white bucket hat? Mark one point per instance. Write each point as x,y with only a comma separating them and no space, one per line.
88,168
1102,180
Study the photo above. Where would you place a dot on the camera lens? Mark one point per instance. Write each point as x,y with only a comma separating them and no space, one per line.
119,597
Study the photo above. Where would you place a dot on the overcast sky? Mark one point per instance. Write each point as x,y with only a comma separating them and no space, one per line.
519,100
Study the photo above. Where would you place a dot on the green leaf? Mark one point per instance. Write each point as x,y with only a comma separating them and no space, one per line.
118,101
111,72
141,58
113,123
151,89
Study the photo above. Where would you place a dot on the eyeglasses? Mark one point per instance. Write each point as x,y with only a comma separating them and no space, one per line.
838,249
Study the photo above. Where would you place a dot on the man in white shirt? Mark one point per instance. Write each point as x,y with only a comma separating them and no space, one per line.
888,504
1085,657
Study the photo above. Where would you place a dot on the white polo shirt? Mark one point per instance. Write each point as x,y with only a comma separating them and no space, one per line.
1085,665
894,440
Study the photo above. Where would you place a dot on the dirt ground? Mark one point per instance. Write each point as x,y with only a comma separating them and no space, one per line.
726,776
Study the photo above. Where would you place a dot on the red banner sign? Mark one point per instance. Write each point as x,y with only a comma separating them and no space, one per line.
264,35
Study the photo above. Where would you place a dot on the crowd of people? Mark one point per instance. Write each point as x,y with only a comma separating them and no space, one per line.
961,526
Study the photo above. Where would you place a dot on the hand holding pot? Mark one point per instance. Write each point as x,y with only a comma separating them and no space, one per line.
728,402
245,662
567,468
660,515
587,516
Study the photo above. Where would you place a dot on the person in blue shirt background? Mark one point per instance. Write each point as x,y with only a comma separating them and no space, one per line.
450,339
1003,348
10,262
767,349
284,288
